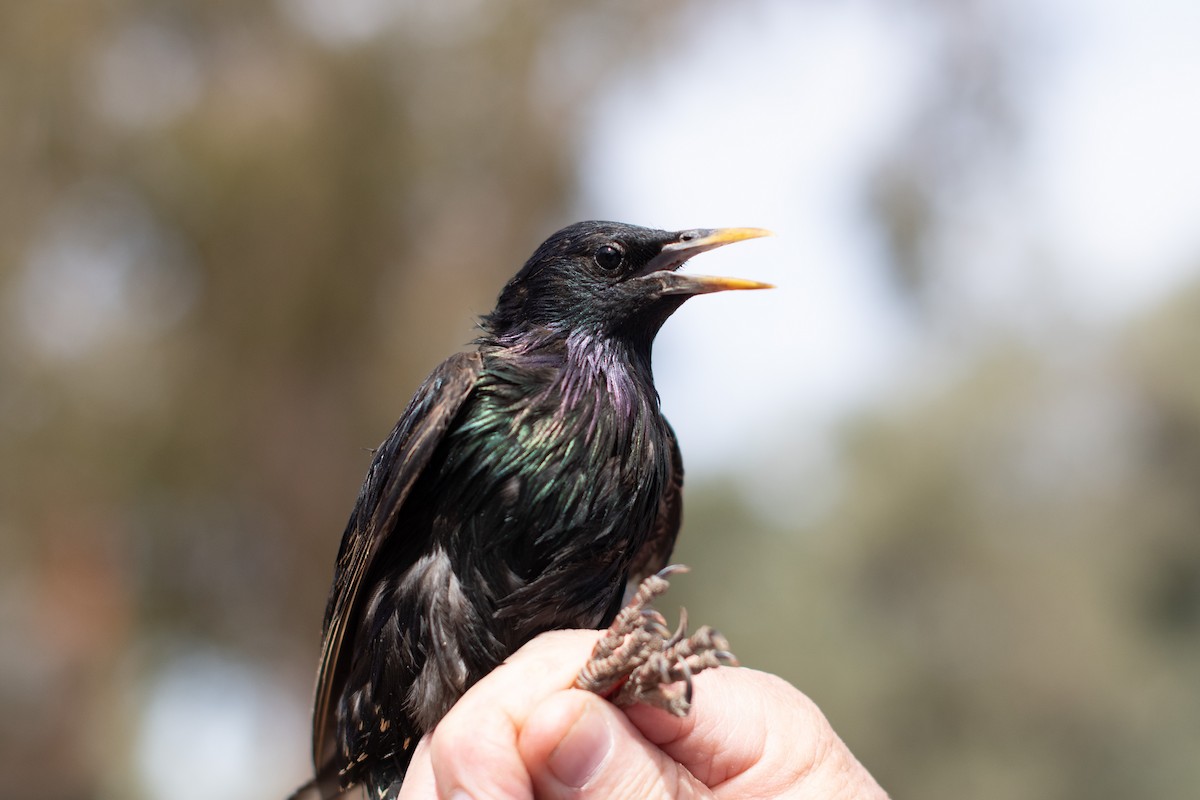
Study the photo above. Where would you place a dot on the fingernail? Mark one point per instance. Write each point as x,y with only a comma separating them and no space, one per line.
582,750
459,794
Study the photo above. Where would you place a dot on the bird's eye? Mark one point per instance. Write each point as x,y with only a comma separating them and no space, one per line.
608,256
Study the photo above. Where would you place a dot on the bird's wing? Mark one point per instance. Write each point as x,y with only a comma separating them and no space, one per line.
655,553
396,466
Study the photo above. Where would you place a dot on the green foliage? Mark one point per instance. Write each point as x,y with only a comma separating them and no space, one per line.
1004,600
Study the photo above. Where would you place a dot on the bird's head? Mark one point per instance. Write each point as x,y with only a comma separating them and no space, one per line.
609,280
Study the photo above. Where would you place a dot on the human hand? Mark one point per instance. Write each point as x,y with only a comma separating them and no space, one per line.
519,733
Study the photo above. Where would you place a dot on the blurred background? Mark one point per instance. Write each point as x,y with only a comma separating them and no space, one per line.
945,478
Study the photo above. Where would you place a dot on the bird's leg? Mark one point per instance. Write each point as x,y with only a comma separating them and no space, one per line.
639,660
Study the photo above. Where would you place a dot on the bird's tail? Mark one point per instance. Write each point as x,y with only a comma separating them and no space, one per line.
322,786
307,791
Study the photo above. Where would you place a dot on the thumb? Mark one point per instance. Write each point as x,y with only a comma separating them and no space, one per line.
578,745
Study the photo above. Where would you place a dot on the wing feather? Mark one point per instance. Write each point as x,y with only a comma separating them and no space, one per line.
396,466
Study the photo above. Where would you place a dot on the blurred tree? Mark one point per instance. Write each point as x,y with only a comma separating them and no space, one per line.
234,238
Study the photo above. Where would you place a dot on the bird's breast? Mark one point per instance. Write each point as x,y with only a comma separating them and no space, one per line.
533,507
558,461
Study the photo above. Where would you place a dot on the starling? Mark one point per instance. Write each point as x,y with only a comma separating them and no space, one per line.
531,485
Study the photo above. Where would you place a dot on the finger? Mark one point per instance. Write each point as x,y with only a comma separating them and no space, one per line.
577,745
418,781
473,750
751,732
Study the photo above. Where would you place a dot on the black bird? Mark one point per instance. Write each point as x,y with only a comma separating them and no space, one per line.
527,484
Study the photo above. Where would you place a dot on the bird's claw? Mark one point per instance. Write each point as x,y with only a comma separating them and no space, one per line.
639,660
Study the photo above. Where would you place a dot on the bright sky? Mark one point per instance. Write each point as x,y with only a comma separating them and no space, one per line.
769,116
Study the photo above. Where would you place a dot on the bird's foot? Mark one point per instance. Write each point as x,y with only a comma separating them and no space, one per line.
639,659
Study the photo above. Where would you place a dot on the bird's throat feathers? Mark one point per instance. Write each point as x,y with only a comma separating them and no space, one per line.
579,376
596,364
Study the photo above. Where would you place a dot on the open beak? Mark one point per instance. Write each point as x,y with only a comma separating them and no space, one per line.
688,244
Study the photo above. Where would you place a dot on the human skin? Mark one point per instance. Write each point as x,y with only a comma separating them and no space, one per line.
520,733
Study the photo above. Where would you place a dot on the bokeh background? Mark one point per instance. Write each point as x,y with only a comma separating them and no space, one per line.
946,478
